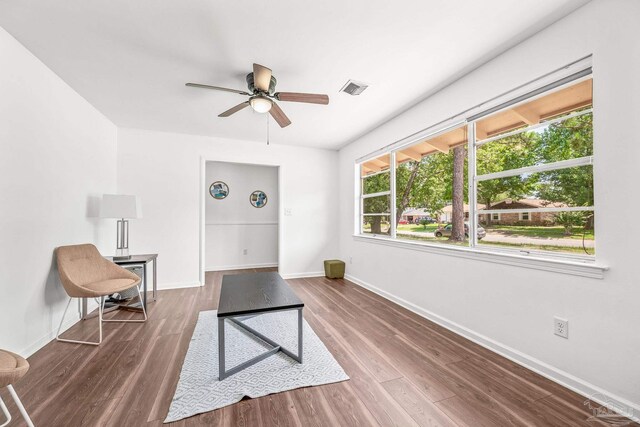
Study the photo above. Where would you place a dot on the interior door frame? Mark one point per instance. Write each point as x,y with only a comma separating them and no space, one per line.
204,192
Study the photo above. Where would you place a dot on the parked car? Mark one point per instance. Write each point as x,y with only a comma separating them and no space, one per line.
446,231
427,219
403,222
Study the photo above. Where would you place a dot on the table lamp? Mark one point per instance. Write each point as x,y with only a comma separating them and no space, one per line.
122,207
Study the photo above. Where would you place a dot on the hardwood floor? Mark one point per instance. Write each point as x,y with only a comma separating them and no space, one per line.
405,371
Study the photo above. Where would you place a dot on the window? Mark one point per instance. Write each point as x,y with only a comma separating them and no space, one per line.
534,163
517,177
375,177
427,176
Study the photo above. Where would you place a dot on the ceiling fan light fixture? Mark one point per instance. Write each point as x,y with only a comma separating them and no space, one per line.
263,96
260,104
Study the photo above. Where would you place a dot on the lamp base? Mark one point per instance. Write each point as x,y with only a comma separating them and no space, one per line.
122,251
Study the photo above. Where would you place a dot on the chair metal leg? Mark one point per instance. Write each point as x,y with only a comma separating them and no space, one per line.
7,415
20,406
100,308
144,313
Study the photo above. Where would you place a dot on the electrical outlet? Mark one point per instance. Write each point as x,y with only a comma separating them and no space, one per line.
350,260
244,252
561,327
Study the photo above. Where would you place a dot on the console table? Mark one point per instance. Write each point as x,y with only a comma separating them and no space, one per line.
141,261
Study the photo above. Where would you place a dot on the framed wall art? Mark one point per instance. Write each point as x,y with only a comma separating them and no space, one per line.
258,199
219,190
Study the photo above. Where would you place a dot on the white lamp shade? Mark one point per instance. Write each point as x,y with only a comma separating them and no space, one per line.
120,206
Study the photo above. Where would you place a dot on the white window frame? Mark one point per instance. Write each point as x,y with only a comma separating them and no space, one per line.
566,263
390,193
493,218
522,214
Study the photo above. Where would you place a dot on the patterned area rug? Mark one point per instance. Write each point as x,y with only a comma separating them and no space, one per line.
200,391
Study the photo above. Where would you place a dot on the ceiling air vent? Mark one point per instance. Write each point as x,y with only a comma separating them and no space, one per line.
353,88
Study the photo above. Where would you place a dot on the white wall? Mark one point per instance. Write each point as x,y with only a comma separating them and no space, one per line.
166,169
233,225
58,156
511,308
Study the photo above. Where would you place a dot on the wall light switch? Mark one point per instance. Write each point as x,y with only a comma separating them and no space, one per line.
287,212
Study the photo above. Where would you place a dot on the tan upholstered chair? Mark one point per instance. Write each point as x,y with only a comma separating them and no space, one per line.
12,368
84,273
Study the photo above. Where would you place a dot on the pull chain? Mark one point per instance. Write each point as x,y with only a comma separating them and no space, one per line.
267,129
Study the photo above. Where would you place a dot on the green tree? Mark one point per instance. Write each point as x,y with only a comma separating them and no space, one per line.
512,152
569,220
569,139
572,138
422,184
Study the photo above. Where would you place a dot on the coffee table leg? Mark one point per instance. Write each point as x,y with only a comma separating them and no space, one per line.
221,370
300,335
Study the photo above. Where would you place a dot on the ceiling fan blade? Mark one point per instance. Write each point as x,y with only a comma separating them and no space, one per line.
311,98
216,88
279,115
235,109
261,77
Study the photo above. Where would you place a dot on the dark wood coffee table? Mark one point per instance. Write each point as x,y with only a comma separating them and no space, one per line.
243,296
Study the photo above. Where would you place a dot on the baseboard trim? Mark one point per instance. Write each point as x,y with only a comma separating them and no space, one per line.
240,267
47,338
584,388
301,275
51,335
177,285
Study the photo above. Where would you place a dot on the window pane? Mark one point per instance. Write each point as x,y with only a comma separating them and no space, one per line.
375,175
378,204
565,140
561,232
571,187
425,187
376,183
376,224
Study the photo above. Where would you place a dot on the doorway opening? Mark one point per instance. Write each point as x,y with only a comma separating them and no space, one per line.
241,216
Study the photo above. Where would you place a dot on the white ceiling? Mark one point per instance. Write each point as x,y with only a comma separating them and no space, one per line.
131,58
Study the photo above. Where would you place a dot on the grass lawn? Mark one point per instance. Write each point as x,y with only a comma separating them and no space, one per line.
532,231
444,240
430,228
511,230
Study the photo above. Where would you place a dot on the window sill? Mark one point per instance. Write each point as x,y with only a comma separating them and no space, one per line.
575,267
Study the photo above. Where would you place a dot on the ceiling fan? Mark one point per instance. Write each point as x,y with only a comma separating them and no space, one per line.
262,95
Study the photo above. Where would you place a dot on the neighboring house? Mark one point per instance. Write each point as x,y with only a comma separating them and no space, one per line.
530,217
412,214
447,213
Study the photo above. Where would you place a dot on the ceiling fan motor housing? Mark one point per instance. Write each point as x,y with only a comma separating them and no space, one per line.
252,87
